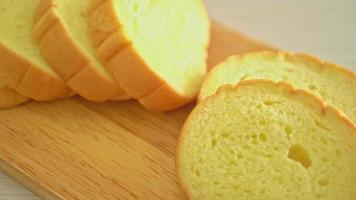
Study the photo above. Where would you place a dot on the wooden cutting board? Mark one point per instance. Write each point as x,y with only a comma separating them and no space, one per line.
74,149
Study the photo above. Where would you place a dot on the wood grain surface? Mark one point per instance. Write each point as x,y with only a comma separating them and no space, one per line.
74,149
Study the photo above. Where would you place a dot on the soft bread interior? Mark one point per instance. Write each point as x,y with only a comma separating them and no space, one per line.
260,141
334,85
173,44
16,19
74,15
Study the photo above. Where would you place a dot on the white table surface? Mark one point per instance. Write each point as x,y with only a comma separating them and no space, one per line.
326,28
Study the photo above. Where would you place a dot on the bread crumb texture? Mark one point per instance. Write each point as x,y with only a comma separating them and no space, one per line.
261,141
16,18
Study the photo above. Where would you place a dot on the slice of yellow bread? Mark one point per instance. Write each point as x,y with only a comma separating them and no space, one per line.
332,83
22,66
261,141
62,33
156,49
9,97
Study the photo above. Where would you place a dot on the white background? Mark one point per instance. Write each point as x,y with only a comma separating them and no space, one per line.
326,28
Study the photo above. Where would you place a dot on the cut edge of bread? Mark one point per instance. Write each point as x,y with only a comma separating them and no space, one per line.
68,59
323,108
10,98
112,45
22,75
290,56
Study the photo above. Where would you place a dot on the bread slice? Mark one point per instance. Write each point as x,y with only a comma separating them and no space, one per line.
263,140
334,84
9,97
22,66
63,36
156,49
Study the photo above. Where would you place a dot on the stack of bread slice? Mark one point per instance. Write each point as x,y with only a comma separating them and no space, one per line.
332,83
22,67
253,138
105,50
156,50
63,36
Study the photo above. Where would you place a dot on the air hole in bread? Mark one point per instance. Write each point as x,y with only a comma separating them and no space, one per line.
288,130
236,188
312,87
218,195
233,163
263,191
323,182
226,135
263,137
299,154
271,102
290,113
319,124
254,139
213,143
231,152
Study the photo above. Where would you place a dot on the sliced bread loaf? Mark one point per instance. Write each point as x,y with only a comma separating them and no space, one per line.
22,66
9,97
156,49
63,36
332,83
263,140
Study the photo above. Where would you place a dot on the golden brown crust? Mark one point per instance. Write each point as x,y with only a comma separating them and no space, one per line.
293,58
100,88
160,101
29,80
10,98
289,90
128,67
68,59
325,64
125,63
115,51
57,47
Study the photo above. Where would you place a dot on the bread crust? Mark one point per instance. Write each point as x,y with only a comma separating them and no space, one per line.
114,49
302,95
68,59
20,74
293,58
10,98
